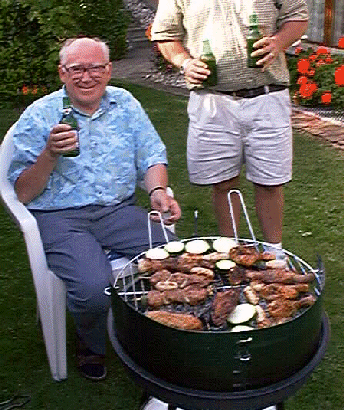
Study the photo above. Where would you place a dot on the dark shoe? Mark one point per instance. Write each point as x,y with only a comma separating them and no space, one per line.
91,365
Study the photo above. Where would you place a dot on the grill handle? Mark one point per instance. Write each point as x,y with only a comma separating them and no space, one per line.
236,191
150,226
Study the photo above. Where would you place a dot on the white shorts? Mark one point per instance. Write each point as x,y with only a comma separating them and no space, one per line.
226,132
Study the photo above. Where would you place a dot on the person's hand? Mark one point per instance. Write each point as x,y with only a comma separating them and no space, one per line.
166,205
268,49
62,138
196,71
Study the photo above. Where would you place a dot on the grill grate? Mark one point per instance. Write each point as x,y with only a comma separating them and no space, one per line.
133,286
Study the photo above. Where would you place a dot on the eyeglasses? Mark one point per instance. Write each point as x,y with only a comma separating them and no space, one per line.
77,71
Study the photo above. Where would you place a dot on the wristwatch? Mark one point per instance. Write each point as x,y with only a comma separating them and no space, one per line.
185,63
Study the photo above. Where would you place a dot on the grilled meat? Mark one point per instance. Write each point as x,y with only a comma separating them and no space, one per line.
248,255
237,275
251,295
286,309
160,276
224,303
198,270
182,263
187,261
276,290
262,319
191,295
176,320
279,276
166,285
181,280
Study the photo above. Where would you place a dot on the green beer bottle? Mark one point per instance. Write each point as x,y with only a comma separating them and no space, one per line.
208,57
252,36
68,118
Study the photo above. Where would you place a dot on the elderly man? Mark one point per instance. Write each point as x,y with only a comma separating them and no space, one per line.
85,203
245,117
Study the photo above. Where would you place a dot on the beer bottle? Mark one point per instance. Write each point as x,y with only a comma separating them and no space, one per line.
68,118
208,57
252,36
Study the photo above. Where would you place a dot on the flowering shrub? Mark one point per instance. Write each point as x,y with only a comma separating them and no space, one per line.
317,77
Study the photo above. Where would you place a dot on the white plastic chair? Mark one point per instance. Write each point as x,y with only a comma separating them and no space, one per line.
50,290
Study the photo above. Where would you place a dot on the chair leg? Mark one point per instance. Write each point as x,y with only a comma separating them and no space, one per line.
52,313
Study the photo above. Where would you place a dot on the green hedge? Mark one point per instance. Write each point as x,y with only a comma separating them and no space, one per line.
31,32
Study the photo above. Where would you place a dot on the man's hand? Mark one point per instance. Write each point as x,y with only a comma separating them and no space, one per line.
268,49
196,71
166,205
62,138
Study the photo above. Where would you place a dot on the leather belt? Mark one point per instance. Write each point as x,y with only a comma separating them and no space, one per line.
254,92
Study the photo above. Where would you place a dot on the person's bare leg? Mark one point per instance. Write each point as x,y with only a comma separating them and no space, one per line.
221,206
269,207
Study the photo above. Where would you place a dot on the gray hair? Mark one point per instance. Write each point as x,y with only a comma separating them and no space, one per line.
64,49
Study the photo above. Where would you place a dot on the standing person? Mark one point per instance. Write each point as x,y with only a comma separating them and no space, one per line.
86,203
245,118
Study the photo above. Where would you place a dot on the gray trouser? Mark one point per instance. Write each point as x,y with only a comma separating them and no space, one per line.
73,242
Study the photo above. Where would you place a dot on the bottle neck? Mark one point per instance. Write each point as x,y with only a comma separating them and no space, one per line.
206,47
66,102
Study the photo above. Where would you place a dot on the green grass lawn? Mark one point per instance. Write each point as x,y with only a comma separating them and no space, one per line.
313,225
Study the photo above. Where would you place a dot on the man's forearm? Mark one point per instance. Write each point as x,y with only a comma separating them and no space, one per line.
156,176
174,52
32,181
290,32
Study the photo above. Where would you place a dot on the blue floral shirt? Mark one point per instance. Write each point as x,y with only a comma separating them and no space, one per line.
118,144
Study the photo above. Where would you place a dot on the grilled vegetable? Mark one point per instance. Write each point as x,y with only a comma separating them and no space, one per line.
241,328
157,253
174,247
224,265
224,244
242,313
197,246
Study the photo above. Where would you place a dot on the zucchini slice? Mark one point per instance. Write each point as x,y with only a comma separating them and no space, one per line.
197,246
242,314
174,247
224,265
157,253
241,328
224,244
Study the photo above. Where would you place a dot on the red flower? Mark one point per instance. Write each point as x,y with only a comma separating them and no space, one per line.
25,90
319,63
341,42
326,97
303,66
34,89
307,90
298,50
323,50
302,80
312,57
311,72
328,60
339,76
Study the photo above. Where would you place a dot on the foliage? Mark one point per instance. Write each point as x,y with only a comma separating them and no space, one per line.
31,32
317,77
313,224
28,49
